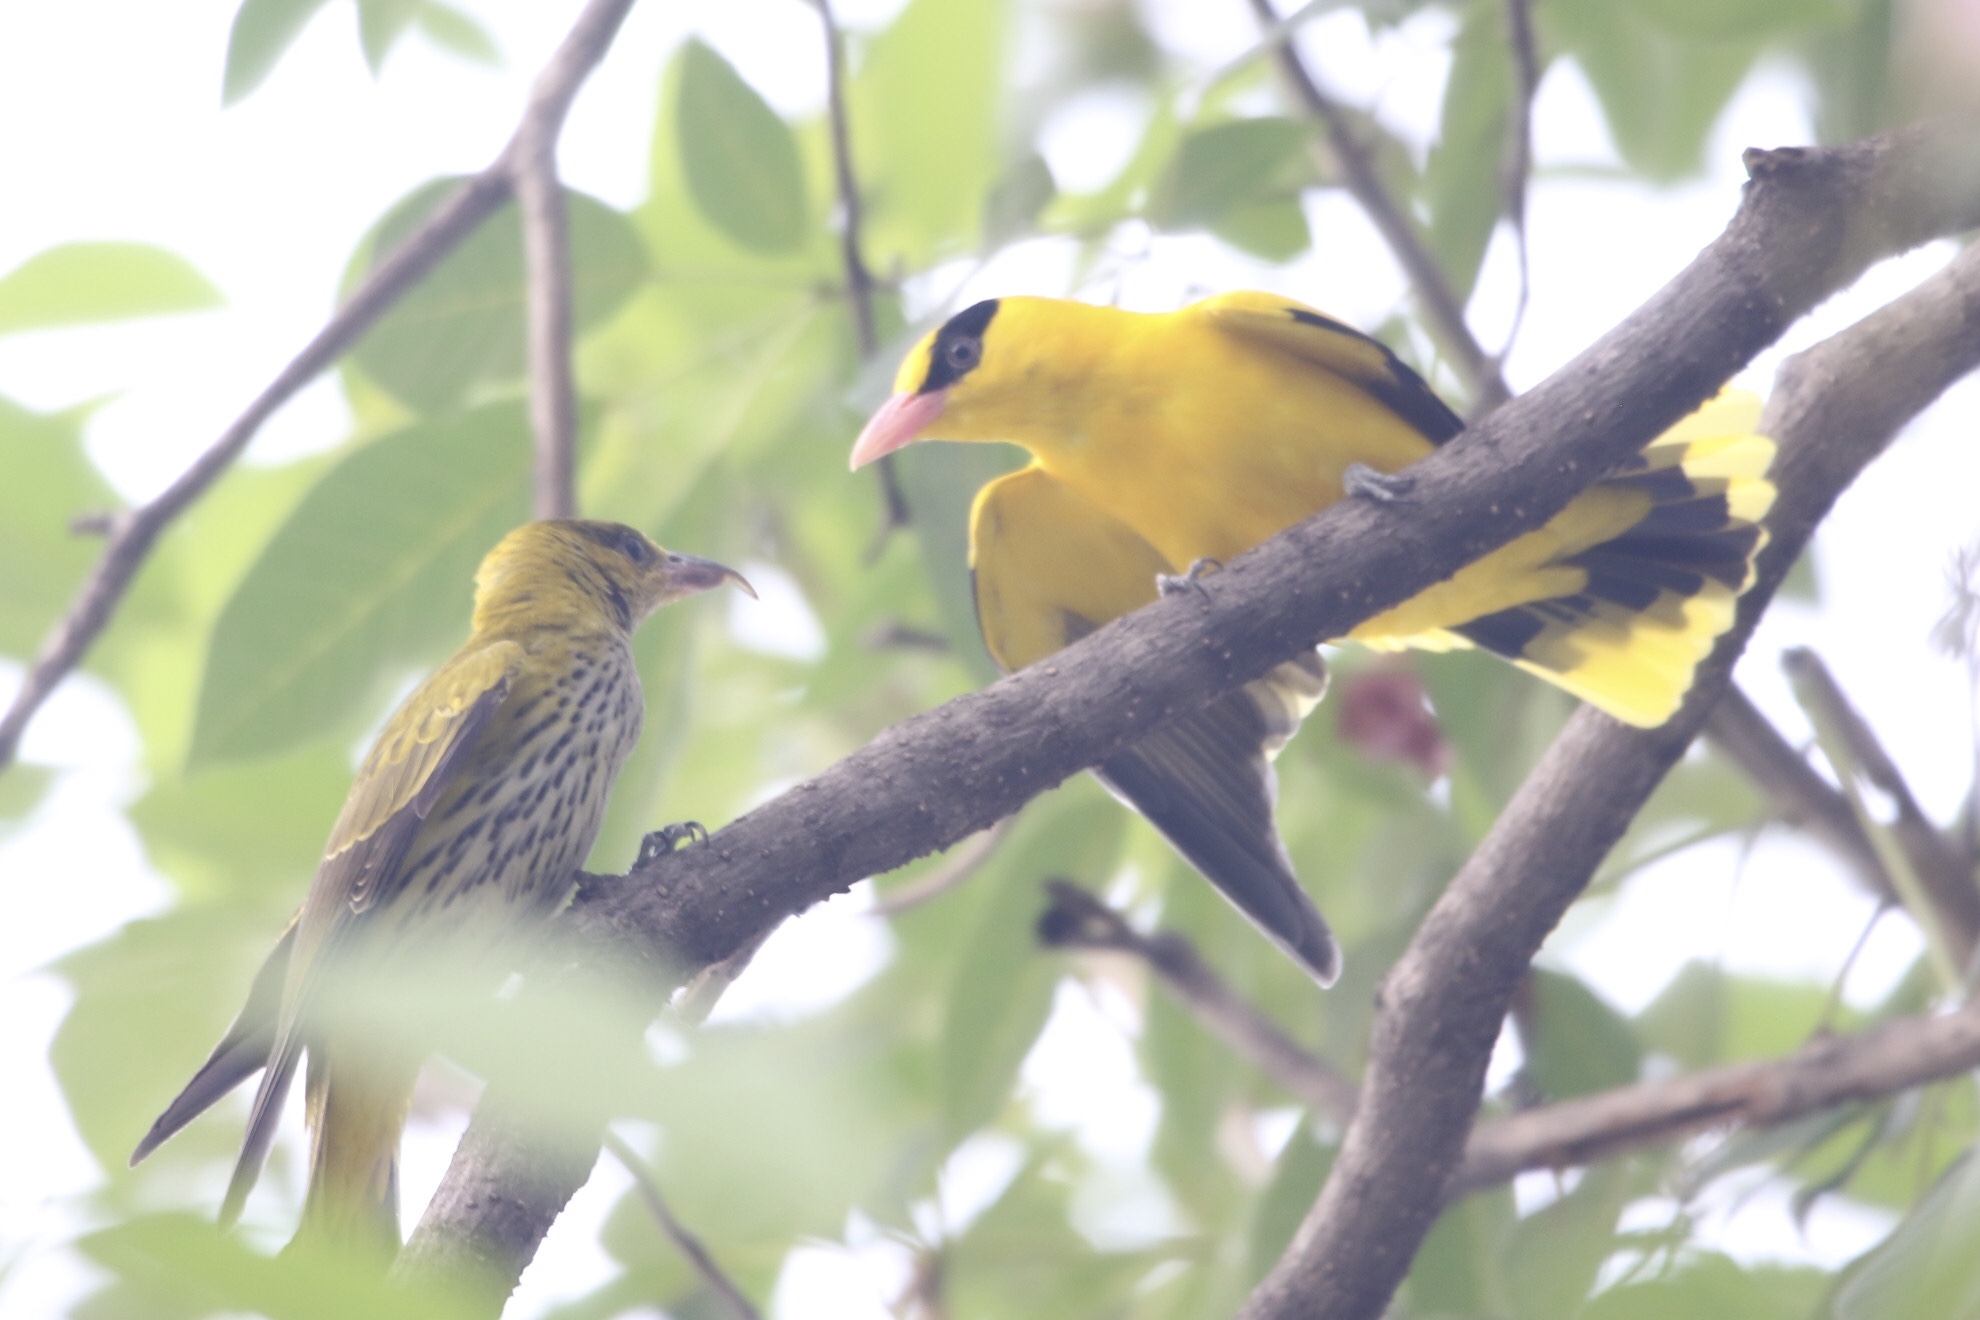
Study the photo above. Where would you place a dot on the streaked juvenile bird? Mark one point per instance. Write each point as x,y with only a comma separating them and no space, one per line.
466,822
1160,442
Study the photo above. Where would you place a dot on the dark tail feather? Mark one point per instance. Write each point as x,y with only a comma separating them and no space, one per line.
1206,782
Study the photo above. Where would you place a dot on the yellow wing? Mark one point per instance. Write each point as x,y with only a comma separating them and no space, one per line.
423,745
1049,568
1620,596
1320,341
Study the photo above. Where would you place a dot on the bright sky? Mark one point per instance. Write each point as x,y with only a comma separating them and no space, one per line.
123,138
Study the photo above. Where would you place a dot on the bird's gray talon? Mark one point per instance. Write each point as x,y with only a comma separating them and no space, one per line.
668,838
1174,584
1367,483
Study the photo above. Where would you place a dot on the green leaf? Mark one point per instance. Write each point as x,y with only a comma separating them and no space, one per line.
1743,20
1710,1286
177,1264
1660,93
369,578
1003,986
80,283
1577,1043
1274,230
1012,209
1557,1251
262,30
925,102
48,482
1462,186
940,482
1459,1269
380,25
457,32
1927,1266
462,326
740,158
1218,169
21,789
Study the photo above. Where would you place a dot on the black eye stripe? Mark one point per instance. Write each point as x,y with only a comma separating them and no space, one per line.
958,347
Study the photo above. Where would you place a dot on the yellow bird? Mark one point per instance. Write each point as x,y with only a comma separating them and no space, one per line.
463,829
1161,441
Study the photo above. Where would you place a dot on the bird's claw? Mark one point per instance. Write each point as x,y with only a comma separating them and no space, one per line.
1367,483
669,837
1191,579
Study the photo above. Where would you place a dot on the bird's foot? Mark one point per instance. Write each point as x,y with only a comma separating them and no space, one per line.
667,838
1174,584
1367,483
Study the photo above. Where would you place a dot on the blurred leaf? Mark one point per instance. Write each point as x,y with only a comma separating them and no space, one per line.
1556,1252
1012,209
1463,178
81,283
21,789
194,1267
1660,93
1225,166
926,100
941,482
1710,1286
241,832
48,482
262,31
1707,1015
380,25
1577,1043
1854,69
1302,1168
1728,20
458,33
740,159
1003,986
462,326
369,579
1273,230
1459,1269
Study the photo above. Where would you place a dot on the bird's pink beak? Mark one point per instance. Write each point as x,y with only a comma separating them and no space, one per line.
900,421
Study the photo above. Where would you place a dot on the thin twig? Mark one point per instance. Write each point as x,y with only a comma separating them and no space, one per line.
1952,914
1519,151
688,1244
859,277
1798,795
547,258
132,533
1360,176
1078,920
964,860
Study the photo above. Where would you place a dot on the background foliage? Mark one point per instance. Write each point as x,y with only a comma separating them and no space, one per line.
722,384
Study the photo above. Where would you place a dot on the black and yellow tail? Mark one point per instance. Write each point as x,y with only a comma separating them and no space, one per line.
1620,596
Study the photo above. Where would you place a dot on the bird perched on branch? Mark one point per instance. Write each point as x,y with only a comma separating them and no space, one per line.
464,828
1161,444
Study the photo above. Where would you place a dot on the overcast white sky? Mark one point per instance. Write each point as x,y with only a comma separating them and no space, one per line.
116,133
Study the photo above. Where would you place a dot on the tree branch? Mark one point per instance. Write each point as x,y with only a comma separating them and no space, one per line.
712,1276
132,533
1797,794
1812,220
1943,876
547,258
1078,920
1359,175
1831,1070
1834,409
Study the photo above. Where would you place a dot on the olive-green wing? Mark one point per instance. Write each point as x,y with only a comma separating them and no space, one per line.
1320,341
1049,568
422,747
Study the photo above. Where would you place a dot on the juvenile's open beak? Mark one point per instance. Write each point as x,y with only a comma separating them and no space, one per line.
687,574
900,421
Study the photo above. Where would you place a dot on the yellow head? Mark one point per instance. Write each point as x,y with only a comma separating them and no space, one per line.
1019,370
572,572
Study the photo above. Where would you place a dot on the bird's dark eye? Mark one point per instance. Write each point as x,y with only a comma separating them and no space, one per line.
632,545
963,353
